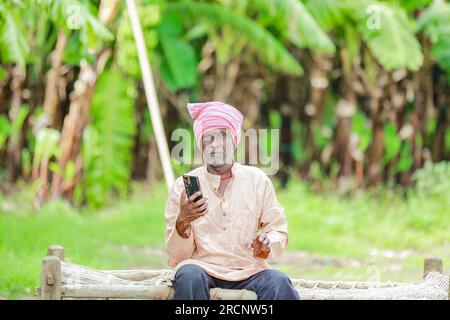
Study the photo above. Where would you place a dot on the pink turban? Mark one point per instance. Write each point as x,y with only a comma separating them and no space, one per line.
215,115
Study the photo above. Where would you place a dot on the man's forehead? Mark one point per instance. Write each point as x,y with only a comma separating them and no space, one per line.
217,131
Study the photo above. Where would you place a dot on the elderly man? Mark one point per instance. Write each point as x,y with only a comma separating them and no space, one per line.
224,239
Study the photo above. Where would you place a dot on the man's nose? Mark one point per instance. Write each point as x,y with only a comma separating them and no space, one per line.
216,143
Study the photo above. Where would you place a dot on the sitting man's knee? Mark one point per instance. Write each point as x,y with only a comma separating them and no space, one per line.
191,282
190,271
278,286
278,277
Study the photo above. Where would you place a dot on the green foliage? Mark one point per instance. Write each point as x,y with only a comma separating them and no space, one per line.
17,124
109,142
389,34
3,73
405,160
179,62
127,57
317,172
322,135
26,162
258,38
76,51
362,129
5,129
274,119
412,5
14,45
328,13
434,23
76,15
392,142
433,180
296,23
46,147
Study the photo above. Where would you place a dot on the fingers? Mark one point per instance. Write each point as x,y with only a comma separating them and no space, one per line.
263,241
198,206
201,208
200,202
262,236
189,203
194,196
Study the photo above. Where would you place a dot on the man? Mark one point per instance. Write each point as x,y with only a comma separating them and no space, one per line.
224,239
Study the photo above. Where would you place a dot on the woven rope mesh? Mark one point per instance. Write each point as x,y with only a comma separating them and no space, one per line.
433,287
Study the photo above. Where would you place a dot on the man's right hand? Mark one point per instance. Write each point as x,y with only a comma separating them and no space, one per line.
189,211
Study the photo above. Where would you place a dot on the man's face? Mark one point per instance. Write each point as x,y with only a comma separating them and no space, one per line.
217,147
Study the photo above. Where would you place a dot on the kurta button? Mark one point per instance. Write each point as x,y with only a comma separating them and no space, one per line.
224,214
224,228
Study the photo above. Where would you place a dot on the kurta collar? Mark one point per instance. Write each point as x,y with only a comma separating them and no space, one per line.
214,179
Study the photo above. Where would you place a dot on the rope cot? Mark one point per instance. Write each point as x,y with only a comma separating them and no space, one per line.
61,279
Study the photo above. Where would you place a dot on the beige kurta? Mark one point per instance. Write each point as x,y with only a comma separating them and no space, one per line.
218,240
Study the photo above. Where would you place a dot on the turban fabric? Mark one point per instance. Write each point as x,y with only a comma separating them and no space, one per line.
215,115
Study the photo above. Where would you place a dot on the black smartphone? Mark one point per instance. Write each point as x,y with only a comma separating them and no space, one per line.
192,185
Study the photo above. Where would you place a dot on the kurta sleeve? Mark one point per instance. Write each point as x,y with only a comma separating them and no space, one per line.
177,247
273,219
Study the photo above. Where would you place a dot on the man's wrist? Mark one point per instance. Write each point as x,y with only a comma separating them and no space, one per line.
182,227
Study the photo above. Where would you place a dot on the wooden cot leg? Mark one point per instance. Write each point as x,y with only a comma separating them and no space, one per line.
432,264
57,251
51,277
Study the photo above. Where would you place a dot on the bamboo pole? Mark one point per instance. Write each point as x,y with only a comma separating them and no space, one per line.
150,94
146,292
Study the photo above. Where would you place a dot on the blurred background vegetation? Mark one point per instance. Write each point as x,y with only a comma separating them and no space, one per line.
358,88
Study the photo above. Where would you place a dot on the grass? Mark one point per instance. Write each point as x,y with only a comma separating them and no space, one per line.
123,234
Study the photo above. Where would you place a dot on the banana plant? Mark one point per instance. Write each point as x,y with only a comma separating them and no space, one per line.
14,49
78,117
109,139
434,24
385,36
78,26
14,42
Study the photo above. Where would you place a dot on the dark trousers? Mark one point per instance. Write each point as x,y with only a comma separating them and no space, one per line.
192,282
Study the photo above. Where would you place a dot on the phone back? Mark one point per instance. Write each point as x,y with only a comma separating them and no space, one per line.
192,185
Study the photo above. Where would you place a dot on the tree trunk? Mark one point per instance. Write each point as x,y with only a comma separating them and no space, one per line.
4,92
320,66
345,110
15,143
376,148
54,83
442,102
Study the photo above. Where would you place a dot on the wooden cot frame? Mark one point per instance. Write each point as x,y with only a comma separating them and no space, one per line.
52,287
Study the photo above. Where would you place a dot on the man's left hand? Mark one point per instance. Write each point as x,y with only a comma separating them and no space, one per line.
261,245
